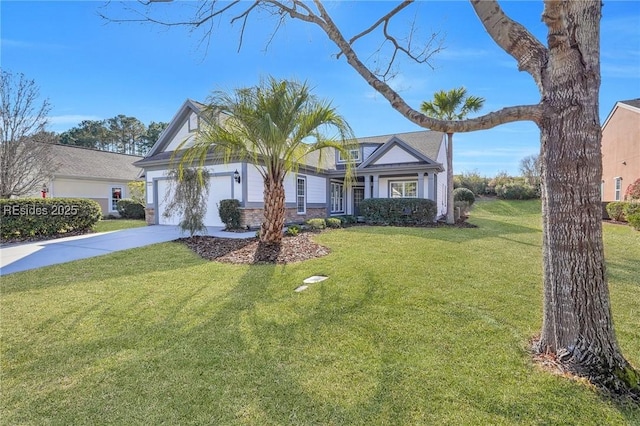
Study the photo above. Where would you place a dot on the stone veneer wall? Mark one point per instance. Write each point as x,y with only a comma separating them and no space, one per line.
254,217
150,215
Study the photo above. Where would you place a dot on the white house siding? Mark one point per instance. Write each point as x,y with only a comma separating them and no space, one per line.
182,135
396,155
316,189
367,151
255,185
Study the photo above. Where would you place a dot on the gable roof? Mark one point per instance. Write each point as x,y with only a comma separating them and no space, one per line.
631,105
81,162
426,142
176,122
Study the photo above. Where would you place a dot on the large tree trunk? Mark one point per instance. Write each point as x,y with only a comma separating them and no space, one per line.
272,227
577,323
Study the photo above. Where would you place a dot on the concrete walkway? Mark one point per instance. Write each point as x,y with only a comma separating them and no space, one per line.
24,256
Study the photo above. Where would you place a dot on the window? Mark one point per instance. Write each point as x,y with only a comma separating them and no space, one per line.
354,155
406,189
116,195
337,197
618,188
301,199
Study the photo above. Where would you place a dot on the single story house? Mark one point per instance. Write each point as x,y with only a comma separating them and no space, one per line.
620,149
89,173
399,165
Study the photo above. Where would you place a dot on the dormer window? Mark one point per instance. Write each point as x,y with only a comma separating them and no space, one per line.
354,155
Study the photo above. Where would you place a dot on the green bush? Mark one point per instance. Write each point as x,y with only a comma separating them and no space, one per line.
516,191
347,219
333,222
472,181
229,211
630,208
398,211
615,210
634,220
316,224
293,230
464,194
130,209
46,217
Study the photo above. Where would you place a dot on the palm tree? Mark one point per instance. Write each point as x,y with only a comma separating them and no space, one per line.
273,126
451,105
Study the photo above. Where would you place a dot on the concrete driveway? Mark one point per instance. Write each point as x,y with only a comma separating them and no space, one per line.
24,256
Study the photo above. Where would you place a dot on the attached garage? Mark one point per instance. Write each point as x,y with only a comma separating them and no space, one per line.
220,188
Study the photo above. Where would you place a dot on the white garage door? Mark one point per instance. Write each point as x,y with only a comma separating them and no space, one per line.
219,189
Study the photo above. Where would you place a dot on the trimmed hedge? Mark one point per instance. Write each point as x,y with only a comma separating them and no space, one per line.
229,211
634,221
46,217
316,224
130,209
333,222
615,210
464,194
398,211
516,191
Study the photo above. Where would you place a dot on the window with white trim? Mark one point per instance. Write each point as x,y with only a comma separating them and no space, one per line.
116,195
618,188
337,197
354,155
403,189
301,195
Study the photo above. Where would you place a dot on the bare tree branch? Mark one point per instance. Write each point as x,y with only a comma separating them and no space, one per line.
513,38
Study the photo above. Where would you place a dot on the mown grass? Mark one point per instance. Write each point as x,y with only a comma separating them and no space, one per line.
106,225
413,326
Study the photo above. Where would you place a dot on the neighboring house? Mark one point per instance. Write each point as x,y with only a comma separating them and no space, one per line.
402,165
620,149
88,173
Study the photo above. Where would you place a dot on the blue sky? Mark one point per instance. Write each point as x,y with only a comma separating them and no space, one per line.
92,69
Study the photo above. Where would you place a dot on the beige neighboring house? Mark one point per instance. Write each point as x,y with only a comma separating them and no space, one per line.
88,173
620,149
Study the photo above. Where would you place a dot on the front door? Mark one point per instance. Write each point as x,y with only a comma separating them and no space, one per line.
358,196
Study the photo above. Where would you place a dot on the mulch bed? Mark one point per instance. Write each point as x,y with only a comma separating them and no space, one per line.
251,251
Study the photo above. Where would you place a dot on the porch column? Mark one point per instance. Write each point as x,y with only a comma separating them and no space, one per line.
431,186
376,192
421,185
367,186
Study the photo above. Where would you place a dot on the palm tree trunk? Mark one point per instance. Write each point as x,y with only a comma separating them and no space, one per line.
271,229
450,217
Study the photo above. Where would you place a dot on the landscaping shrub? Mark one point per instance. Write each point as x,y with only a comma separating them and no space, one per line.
629,209
472,181
316,224
347,219
46,217
130,209
293,230
516,191
229,211
398,211
634,220
333,222
615,210
464,194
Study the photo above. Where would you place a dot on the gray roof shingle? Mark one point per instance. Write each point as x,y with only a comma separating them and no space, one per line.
74,161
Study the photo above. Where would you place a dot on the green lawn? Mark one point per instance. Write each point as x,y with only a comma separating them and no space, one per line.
413,326
106,225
